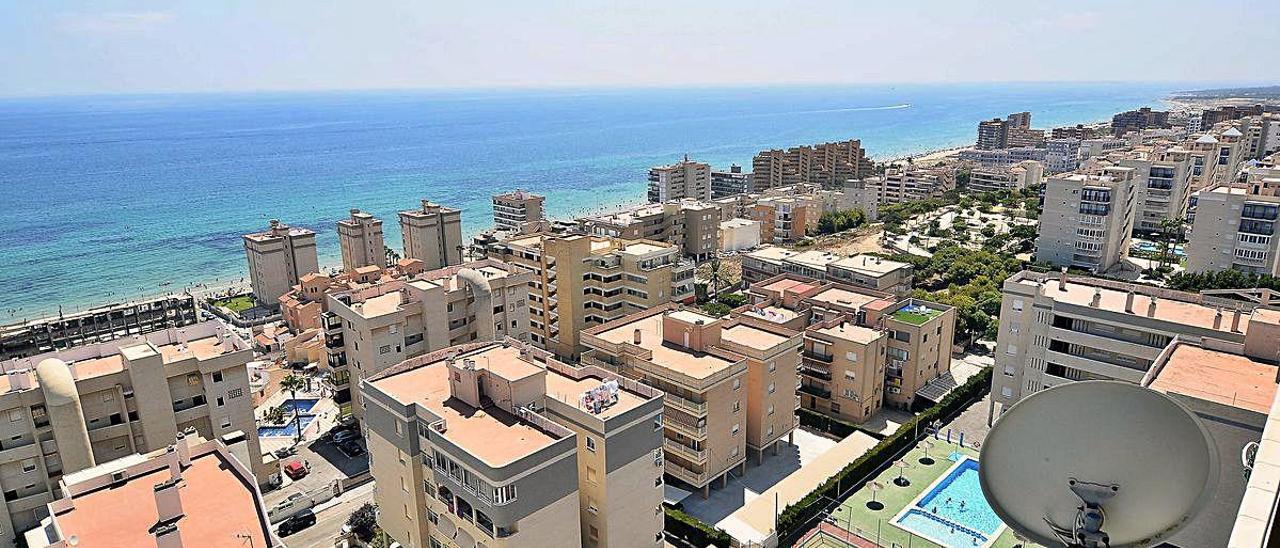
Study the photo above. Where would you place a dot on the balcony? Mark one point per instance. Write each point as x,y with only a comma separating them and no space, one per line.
1110,344
1104,369
696,479
696,455
690,430
695,408
14,451
815,391
817,373
821,358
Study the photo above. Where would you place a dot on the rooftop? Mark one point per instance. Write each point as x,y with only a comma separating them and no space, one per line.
789,284
849,332
217,505
775,314
682,360
570,390
869,264
1113,300
1219,377
772,253
814,259
835,296
751,337
490,434
916,314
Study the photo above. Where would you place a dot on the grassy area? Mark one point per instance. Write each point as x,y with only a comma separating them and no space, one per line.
915,317
236,304
854,514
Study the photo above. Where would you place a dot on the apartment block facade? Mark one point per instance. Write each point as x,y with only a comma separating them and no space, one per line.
101,324
375,327
360,238
1018,177
1088,220
729,183
72,409
498,444
875,273
581,281
278,258
694,226
826,164
729,384
1235,229
1163,188
1057,328
516,210
912,185
678,181
432,234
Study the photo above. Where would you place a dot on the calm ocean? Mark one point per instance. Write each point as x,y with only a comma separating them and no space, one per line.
109,197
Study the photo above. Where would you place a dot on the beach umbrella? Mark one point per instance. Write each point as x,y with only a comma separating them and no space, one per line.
874,487
902,481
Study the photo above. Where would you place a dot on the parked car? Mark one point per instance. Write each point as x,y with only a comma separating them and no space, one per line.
296,470
351,448
345,436
297,522
286,451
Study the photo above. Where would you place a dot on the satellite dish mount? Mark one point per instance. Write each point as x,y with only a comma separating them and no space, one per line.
1087,530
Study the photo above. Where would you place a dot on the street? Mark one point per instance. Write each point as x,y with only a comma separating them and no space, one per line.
330,518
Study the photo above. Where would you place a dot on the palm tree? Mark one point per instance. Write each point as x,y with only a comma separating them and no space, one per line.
1170,235
715,275
293,384
392,256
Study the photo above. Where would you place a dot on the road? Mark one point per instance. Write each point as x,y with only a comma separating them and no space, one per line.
330,519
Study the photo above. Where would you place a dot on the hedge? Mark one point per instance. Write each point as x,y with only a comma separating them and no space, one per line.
822,423
800,513
693,530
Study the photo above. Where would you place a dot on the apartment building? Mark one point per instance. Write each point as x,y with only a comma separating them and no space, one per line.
431,234
1216,157
991,134
377,326
1234,228
729,384
1138,120
729,183
863,348
825,164
784,219
192,493
866,271
360,238
516,210
304,304
99,324
580,281
1003,157
683,179
691,225
278,258
863,194
1018,177
1057,328
498,444
995,134
1062,154
913,185
1088,219
1101,146
1078,132
71,409
1163,186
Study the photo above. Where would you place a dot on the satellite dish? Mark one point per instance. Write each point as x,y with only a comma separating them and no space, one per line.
1098,463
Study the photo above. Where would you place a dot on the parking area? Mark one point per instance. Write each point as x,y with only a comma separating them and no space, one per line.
327,461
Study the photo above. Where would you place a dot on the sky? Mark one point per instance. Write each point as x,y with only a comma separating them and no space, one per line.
105,46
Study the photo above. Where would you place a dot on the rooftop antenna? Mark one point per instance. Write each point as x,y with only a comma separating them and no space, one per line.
1061,470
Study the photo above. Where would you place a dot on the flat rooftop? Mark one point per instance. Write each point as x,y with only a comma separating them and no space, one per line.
814,259
378,306
570,391
217,505
870,265
643,248
1167,309
490,434
682,360
849,332
1219,377
789,284
835,296
752,337
775,314
772,253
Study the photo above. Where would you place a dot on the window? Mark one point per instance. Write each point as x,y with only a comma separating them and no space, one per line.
657,423
591,474
28,465
197,399
737,406
771,409
591,443
593,533
504,494
226,422
15,415
737,383
193,380
770,430
217,376
850,394
218,400
108,397
851,356
1011,349
384,349
1017,305
736,427
400,429
849,374
657,482
772,388
1006,392
235,392
773,366
734,452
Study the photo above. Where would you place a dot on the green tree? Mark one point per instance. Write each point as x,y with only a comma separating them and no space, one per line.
293,384
392,256
364,522
732,300
716,309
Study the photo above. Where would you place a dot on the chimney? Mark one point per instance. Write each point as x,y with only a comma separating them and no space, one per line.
167,536
168,501
635,337
1097,297
1235,321
1151,308
1062,279
1217,319
183,449
1128,301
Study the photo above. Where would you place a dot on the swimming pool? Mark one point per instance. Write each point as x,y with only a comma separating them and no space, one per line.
300,405
953,512
288,430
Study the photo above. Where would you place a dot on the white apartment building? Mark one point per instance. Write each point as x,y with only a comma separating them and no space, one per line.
360,238
1088,219
683,179
1163,186
278,258
1235,225
739,234
1017,177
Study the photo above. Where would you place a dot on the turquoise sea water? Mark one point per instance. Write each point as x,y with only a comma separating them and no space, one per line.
111,197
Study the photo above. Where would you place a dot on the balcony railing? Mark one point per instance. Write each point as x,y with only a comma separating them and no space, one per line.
685,404
823,358
815,391
690,430
672,446
809,371
686,475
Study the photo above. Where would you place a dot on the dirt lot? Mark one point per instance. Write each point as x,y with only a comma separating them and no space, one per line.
863,240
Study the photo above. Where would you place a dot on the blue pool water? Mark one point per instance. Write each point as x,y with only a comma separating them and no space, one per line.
300,405
288,430
954,512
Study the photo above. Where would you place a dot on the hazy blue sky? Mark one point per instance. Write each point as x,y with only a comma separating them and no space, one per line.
209,45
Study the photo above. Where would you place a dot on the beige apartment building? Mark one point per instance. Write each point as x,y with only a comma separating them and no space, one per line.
691,225
304,304
1216,156
71,409
375,327
866,271
1234,226
99,324
192,493
517,210
729,384
360,238
1087,220
498,444
432,234
784,219
825,164
842,374
1164,185
1016,177
913,185
278,259
581,281
678,181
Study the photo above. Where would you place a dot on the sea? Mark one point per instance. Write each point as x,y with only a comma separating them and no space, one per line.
107,198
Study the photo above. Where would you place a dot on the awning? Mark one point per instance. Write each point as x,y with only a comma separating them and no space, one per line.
672,495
